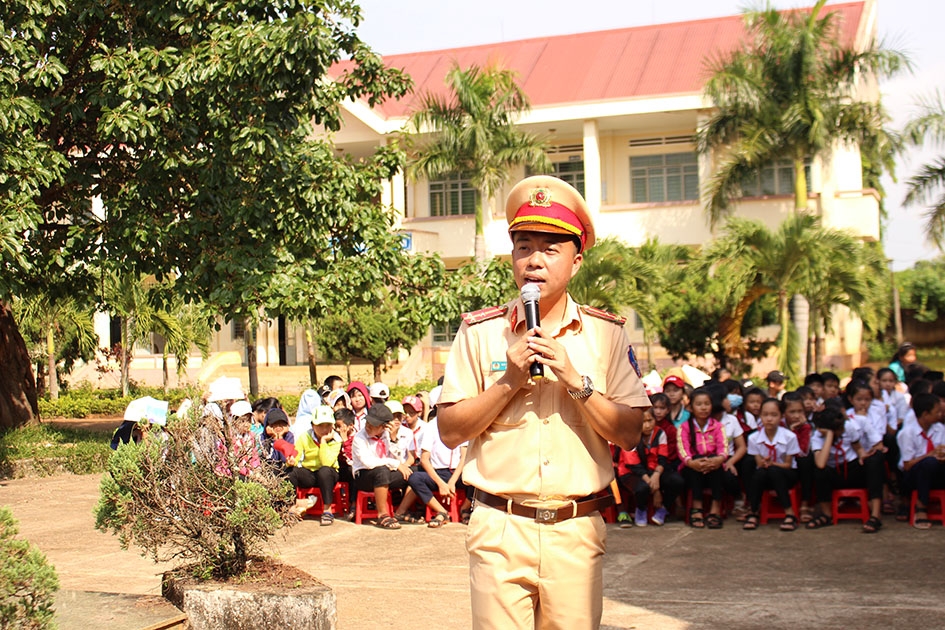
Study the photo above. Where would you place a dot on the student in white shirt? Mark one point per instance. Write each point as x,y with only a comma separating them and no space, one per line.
922,452
374,466
773,448
441,472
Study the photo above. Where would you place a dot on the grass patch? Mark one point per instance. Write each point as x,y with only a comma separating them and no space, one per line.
79,451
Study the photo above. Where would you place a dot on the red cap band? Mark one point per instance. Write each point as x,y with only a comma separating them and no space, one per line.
554,215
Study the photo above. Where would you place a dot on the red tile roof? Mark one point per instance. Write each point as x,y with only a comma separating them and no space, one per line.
663,59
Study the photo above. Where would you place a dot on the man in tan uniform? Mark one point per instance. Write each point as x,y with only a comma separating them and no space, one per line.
538,448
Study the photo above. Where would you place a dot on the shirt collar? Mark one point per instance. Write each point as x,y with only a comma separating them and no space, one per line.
572,316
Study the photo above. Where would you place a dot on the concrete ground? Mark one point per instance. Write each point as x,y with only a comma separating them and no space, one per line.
670,577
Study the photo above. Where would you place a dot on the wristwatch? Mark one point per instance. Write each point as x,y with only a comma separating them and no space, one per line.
583,393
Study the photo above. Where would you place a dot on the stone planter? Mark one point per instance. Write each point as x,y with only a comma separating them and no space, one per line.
278,597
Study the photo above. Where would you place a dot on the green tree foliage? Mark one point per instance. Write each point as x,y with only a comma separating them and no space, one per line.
472,132
27,582
785,94
922,289
794,259
927,186
200,128
478,285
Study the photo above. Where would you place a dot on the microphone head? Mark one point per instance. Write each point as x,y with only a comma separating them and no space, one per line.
531,292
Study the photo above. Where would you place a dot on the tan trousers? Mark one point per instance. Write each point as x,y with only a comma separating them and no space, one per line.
527,575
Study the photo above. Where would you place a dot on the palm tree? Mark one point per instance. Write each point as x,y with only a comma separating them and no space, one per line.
59,322
928,185
787,95
473,134
757,261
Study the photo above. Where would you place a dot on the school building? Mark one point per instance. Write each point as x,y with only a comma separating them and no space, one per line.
620,109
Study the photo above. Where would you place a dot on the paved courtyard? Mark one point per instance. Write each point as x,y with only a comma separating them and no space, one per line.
670,577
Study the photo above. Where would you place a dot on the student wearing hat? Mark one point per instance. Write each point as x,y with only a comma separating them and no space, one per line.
360,399
379,393
278,445
316,465
675,387
401,438
374,465
413,408
538,452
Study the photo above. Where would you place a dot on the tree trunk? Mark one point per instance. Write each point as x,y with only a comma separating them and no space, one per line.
480,241
18,405
802,325
51,362
40,379
800,185
125,355
165,375
251,359
377,370
312,359
730,327
348,369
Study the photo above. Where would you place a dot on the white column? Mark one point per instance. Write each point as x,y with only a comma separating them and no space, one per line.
592,171
398,196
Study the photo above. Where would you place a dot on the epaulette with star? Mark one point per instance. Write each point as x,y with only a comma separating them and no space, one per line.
604,315
485,314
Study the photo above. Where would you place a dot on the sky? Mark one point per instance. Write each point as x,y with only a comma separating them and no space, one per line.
912,26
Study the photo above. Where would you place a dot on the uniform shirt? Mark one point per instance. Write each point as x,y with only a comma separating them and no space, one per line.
913,443
733,428
667,427
909,420
896,402
881,416
873,425
842,449
402,446
441,456
783,443
417,436
538,445
365,455
709,440
751,420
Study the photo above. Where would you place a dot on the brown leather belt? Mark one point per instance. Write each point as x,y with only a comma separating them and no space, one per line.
580,507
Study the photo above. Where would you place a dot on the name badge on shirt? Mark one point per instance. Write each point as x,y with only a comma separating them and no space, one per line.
498,366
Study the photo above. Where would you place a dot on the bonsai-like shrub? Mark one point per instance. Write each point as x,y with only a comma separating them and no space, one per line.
194,492
27,582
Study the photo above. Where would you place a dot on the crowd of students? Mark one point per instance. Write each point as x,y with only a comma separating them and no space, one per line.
726,440
732,441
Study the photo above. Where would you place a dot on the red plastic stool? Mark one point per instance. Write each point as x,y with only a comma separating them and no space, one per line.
339,499
934,496
860,513
361,509
771,507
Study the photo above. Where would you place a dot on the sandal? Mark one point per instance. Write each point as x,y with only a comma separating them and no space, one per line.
921,522
441,519
789,524
822,520
872,525
807,514
388,522
465,515
408,519
695,518
327,519
751,522
714,521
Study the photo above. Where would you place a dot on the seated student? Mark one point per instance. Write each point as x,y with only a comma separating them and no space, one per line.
441,472
916,387
660,410
278,445
840,462
776,385
862,393
334,383
260,408
809,400
309,401
796,421
360,402
644,470
413,418
316,465
815,382
701,445
922,455
674,389
401,438
752,408
894,399
243,455
736,448
375,469
344,427
831,386
773,449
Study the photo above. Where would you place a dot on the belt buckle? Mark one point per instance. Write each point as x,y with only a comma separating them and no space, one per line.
546,515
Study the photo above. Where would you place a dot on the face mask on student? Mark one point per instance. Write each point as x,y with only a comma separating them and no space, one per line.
735,400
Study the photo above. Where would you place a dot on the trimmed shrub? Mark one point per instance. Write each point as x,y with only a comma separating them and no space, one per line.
27,582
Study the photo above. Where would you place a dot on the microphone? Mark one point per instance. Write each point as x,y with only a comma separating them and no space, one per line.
531,293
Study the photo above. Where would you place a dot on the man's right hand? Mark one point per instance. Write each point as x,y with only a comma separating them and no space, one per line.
519,358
